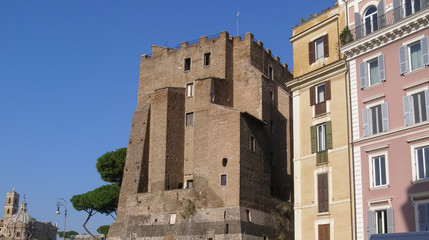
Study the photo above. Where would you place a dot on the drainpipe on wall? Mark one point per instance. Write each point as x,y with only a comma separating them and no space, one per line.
350,138
350,150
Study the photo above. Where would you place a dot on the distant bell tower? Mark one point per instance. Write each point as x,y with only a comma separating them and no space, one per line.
11,206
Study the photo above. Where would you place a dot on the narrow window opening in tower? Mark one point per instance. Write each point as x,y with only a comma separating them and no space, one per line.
207,59
187,65
252,143
270,73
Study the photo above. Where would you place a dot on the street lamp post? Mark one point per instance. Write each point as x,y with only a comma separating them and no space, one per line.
63,203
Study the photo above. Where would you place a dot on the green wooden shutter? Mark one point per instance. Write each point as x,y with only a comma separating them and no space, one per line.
321,157
329,135
313,131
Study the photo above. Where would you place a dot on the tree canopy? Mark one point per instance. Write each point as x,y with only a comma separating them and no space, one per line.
103,199
111,165
68,234
103,229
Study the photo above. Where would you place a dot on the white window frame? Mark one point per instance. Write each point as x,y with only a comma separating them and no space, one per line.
316,89
371,170
190,89
172,218
420,108
379,58
381,205
423,199
371,76
186,119
190,183
414,162
410,60
319,55
370,109
321,137
413,8
376,111
408,101
384,219
370,17
416,212
406,45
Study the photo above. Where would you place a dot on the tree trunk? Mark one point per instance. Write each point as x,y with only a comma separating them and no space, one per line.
90,214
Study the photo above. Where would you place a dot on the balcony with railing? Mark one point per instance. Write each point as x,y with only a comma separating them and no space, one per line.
374,23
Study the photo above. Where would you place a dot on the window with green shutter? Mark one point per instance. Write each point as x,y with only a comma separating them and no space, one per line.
321,157
321,141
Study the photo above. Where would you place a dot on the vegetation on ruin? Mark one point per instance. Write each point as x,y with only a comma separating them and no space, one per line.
346,36
283,218
190,209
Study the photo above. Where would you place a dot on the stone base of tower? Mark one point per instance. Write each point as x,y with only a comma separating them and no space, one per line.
179,216
204,224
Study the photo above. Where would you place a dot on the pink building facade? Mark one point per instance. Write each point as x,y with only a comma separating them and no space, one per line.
388,63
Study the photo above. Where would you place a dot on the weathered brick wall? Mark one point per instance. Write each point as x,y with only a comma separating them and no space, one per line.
233,98
174,162
136,164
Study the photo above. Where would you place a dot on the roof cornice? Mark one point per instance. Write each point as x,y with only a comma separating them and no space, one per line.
316,76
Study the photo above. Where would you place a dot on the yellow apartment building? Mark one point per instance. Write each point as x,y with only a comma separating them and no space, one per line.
323,200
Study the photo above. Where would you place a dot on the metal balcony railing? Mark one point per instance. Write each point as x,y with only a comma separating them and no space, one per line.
391,17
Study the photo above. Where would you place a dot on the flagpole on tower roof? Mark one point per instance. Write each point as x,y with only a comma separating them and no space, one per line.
238,13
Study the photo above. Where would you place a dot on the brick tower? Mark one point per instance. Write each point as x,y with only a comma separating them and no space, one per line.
209,148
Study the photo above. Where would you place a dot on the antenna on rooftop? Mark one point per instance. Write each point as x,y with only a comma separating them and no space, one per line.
238,13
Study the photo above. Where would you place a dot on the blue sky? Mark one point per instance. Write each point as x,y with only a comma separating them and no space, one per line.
69,77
